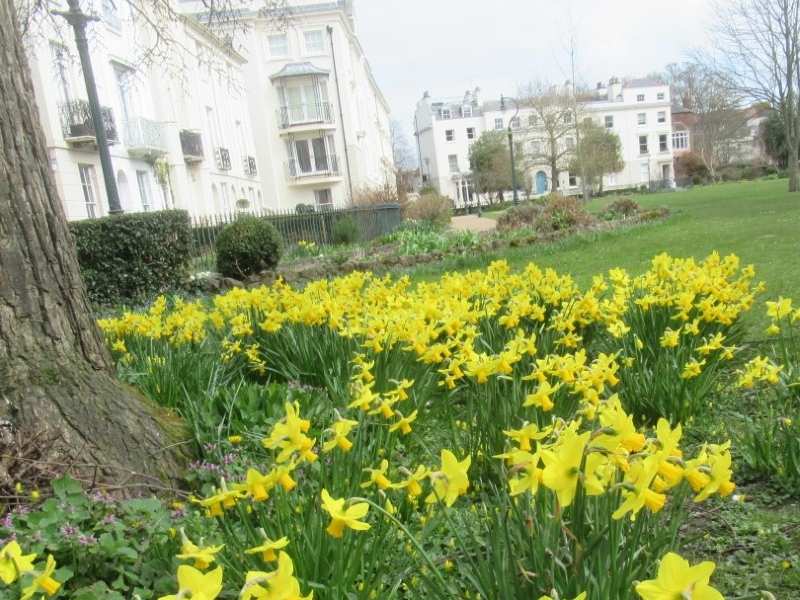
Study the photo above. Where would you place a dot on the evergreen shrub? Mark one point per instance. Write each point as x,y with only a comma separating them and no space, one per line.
247,246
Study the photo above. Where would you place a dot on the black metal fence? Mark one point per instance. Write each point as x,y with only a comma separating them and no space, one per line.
305,223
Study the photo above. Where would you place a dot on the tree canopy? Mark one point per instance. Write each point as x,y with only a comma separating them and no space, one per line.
599,152
490,160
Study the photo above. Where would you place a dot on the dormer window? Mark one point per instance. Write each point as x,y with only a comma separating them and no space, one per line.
466,110
446,113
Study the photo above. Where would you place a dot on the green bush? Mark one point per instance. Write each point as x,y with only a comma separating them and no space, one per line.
131,258
345,231
247,246
431,208
622,208
561,212
519,217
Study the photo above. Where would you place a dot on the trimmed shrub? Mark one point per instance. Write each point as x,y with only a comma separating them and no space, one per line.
519,217
131,258
247,246
431,208
345,231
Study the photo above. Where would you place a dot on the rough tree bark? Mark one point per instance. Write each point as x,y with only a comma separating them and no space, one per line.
55,370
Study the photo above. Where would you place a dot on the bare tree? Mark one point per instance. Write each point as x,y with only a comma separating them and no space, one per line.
550,131
716,101
403,158
757,44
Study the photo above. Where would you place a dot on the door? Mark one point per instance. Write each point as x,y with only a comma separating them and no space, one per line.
541,182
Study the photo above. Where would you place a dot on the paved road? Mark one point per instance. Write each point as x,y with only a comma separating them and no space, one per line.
473,223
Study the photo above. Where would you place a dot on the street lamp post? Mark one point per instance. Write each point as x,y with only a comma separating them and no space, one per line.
78,19
511,143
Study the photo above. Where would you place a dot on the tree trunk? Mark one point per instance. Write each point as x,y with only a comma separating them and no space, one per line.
55,370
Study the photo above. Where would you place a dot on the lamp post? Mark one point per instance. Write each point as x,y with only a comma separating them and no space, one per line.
78,19
477,191
511,143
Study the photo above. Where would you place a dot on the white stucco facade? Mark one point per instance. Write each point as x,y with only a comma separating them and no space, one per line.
198,125
638,112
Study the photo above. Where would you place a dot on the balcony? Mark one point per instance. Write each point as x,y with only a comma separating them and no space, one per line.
145,138
77,126
192,146
304,114
222,159
312,171
249,164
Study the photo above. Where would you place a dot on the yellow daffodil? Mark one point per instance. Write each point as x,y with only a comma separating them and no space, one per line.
451,480
194,584
13,562
268,548
677,579
203,556
43,581
562,465
274,585
344,517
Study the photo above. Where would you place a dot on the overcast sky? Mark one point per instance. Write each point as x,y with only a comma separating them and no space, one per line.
449,46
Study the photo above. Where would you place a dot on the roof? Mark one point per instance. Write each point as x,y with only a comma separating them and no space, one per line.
642,83
298,69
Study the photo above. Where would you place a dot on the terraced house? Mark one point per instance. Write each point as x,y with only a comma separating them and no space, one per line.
638,111
277,117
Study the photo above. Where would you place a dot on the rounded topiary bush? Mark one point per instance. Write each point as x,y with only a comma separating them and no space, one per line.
247,246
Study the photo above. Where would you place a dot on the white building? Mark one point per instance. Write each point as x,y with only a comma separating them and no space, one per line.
638,112
320,123
293,116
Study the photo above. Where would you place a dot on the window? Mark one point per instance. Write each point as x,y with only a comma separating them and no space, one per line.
642,144
515,123
226,201
144,189
498,123
450,135
306,103
313,156
315,43
466,111
641,118
533,121
570,143
322,197
277,45
124,78
644,172
470,133
680,140
662,116
612,178
89,185
536,147
446,113
609,121
660,96
111,15
61,69
453,162
573,180
663,144
568,118
640,97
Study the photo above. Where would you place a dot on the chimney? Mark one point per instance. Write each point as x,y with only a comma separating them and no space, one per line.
687,99
568,88
467,97
476,94
614,88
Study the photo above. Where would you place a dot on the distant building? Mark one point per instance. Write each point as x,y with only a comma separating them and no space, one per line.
638,111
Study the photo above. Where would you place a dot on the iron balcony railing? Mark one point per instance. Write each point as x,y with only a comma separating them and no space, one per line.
76,121
222,158
145,133
191,145
301,114
249,164
324,166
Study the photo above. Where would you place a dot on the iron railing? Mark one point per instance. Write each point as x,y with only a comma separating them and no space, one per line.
314,225
222,158
76,121
301,114
145,133
324,166
191,145
249,165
